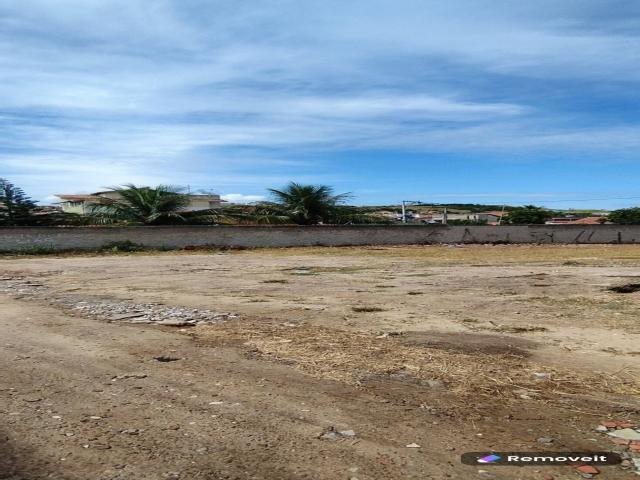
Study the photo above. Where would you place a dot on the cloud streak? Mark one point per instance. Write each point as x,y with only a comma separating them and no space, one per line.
236,96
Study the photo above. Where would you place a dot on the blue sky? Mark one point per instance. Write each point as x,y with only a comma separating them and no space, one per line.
459,101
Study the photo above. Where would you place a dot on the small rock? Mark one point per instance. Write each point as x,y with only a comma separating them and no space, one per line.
101,446
332,434
412,445
166,358
125,316
131,431
485,474
171,475
129,375
626,425
609,423
626,434
169,322
429,408
588,469
601,428
435,383
545,440
620,441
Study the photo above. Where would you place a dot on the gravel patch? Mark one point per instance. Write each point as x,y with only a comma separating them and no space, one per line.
114,311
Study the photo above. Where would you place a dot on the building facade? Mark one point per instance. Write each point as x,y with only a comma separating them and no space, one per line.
83,204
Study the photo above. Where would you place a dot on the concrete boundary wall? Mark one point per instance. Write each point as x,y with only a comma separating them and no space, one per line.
68,238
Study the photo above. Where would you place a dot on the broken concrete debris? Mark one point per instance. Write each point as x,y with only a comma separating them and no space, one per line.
115,311
150,313
332,434
626,434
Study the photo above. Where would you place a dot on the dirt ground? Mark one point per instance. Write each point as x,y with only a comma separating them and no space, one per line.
451,348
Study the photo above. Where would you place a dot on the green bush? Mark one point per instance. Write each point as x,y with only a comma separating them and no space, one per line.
121,246
528,215
36,250
625,216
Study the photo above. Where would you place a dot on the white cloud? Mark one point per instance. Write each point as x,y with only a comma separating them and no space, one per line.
99,93
241,198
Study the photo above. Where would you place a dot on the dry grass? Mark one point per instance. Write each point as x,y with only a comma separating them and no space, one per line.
615,313
349,357
481,255
502,328
576,255
305,270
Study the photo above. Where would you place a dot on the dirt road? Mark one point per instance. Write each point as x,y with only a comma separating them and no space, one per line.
84,399
87,400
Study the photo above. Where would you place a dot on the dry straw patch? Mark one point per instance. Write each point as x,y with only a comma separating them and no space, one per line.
576,255
349,357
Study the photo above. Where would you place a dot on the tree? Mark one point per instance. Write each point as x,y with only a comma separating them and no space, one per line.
350,215
308,204
15,206
528,215
142,205
261,213
625,216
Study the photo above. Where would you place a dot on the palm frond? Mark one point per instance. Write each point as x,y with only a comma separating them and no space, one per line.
142,205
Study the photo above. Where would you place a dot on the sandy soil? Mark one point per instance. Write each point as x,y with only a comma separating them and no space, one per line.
452,348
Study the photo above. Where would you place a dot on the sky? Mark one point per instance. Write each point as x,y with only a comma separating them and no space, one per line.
489,101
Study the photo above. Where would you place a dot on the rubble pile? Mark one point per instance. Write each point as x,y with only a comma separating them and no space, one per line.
115,311
149,313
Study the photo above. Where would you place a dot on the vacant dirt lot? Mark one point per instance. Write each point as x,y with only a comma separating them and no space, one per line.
452,349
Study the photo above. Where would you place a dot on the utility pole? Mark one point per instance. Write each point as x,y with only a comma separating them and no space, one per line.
404,208
501,215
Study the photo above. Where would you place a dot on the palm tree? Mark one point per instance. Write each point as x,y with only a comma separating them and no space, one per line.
15,207
142,205
259,213
308,204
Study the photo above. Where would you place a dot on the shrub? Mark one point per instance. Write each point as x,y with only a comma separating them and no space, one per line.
37,250
625,216
121,246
